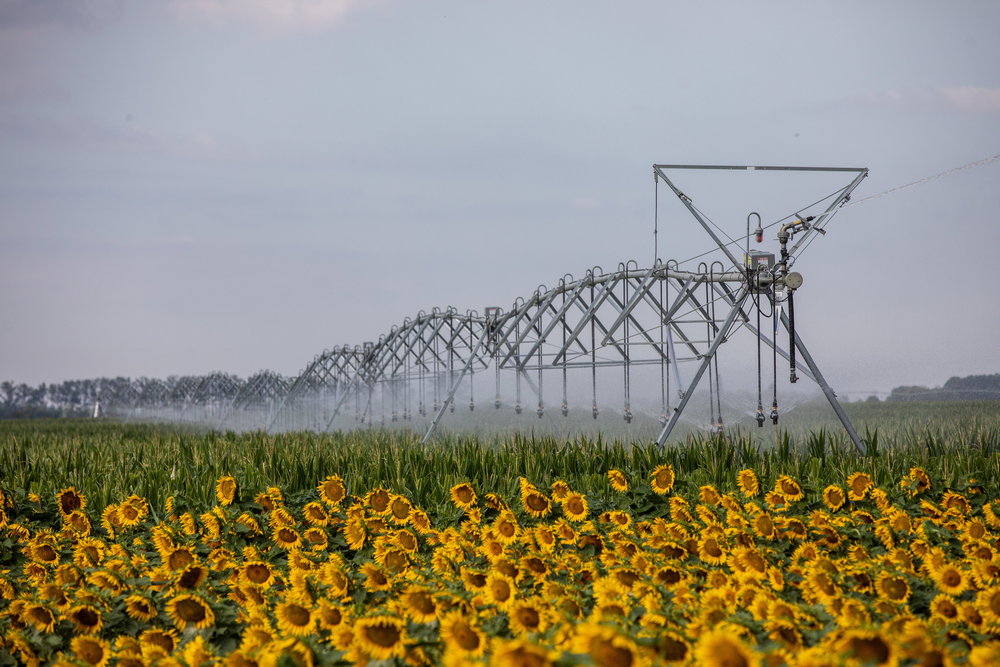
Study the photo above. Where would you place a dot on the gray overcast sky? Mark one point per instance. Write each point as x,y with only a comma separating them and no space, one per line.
198,185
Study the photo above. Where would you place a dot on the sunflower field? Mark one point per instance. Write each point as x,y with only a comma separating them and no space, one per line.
657,562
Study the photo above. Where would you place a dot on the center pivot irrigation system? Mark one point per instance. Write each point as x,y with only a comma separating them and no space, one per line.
663,317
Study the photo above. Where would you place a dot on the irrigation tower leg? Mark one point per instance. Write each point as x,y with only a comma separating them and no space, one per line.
719,339
340,402
827,390
455,385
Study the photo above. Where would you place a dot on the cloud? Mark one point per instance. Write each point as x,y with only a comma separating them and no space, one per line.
269,15
969,99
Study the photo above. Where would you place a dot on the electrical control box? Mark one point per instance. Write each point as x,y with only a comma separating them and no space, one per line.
758,259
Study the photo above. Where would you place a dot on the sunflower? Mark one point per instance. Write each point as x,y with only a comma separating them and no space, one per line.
316,538
951,579
892,587
528,616
544,538
460,635
180,558
164,640
393,560
984,655
763,526
505,528
822,585
785,633
672,648
225,490
198,652
500,589
519,653
985,573
418,604
140,607
400,509
132,511
748,483
378,501
190,610
54,593
618,480
945,608
91,650
463,495
776,500
988,603
381,637
295,617
42,550
329,615
620,519
723,648
258,573
867,647
191,577
406,541
605,647
77,521
286,537
535,503
858,484
833,497
289,651
575,506
662,478
375,578
990,514
956,502
789,488
749,562
710,551
332,490
421,521
70,500
680,510
709,494
86,618
355,534
315,514
40,616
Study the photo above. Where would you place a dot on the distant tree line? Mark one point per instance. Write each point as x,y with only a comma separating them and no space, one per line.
77,398
969,388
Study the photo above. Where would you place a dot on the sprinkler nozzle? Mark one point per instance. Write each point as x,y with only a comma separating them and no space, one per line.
760,415
774,413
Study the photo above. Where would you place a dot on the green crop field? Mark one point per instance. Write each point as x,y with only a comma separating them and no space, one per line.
108,460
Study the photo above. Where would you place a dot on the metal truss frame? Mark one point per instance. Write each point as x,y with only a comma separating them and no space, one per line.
664,316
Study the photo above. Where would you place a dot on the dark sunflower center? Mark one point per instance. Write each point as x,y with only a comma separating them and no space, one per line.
191,611
297,615
385,635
